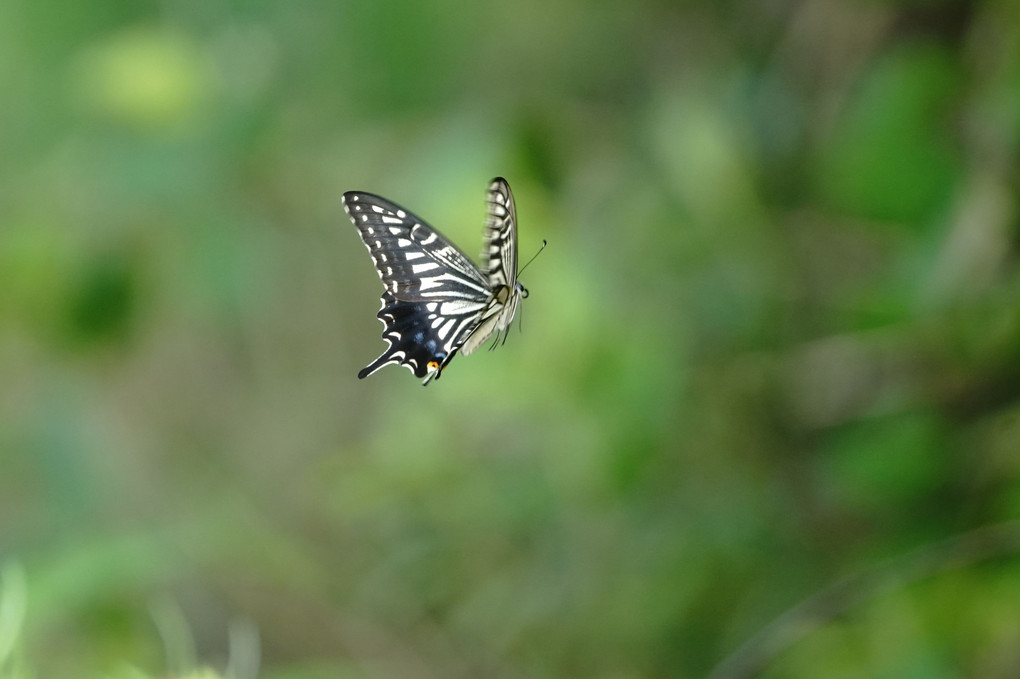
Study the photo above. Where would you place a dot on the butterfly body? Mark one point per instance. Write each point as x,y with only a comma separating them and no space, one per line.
436,302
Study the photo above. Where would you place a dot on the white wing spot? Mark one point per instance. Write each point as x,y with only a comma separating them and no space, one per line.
378,210
458,308
445,330
422,268
401,214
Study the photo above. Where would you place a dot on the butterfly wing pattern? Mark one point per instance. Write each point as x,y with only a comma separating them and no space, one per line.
435,301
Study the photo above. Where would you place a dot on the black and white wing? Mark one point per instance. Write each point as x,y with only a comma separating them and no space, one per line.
500,256
500,248
434,295
436,302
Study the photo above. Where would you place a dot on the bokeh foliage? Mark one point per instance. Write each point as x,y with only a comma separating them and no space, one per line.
772,351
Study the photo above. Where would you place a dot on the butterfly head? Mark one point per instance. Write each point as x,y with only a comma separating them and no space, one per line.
503,293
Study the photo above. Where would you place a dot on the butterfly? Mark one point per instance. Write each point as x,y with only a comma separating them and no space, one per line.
436,302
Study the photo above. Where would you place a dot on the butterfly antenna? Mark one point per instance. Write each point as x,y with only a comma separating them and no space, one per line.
500,341
544,243
520,315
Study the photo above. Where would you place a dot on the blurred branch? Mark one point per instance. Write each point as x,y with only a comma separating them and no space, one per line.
12,614
796,623
244,650
178,641
963,363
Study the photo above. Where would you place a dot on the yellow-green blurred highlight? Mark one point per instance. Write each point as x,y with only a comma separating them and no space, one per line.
143,79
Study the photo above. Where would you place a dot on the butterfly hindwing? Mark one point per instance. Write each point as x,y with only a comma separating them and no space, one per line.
413,341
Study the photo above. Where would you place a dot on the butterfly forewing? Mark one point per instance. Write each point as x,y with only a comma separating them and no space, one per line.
436,302
499,250
500,256
413,260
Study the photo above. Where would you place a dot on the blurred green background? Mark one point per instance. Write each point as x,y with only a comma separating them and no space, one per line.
773,345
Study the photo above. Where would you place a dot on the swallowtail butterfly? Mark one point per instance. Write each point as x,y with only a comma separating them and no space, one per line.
436,302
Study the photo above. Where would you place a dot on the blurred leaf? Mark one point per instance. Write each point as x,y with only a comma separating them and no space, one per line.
879,465
102,304
891,157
